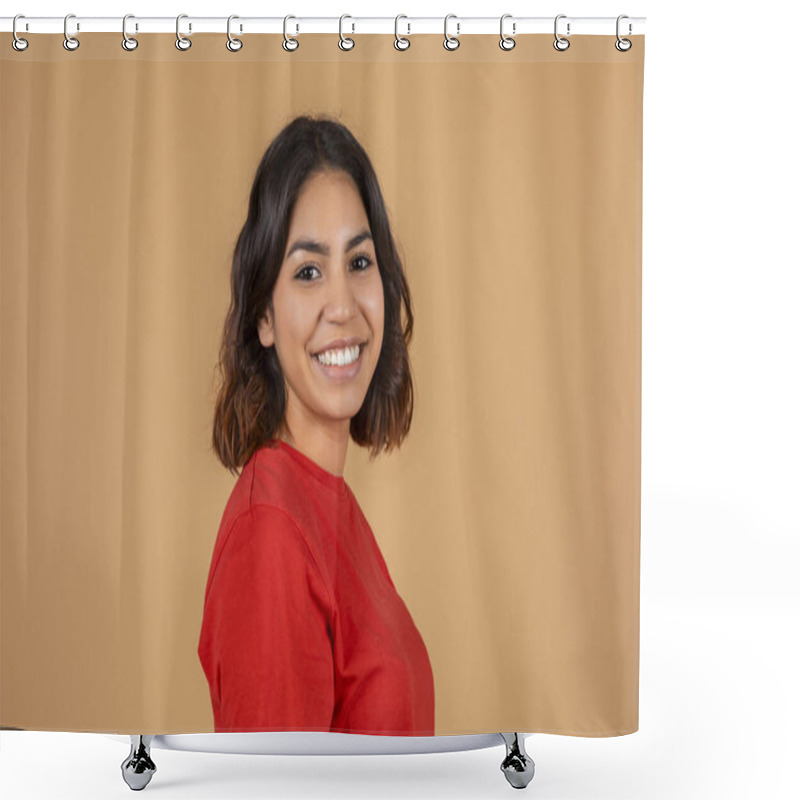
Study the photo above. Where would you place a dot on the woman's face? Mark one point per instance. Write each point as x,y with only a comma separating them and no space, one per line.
329,289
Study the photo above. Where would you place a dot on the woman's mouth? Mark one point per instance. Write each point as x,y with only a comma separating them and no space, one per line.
340,364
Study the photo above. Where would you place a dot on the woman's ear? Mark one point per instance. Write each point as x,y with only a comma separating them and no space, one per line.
266,332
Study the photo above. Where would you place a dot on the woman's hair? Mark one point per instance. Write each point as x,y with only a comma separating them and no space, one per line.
251,401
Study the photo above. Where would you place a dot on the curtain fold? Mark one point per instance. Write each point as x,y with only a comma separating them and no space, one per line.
510,517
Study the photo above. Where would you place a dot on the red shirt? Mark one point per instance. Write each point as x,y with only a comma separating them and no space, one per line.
302,626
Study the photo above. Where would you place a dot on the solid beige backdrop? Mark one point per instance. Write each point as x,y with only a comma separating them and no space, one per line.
510,519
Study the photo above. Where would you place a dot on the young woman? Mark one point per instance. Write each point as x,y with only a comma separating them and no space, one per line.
302,626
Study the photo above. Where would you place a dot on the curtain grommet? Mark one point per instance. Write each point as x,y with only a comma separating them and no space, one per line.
623,45
233,44
70,42
507,42
451,42
17,42
182,42
345,42
129,43
290,43
560,43
400,42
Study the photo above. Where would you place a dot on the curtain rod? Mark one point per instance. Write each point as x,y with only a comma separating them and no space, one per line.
406,26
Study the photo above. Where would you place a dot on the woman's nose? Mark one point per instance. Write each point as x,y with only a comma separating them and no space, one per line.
340,299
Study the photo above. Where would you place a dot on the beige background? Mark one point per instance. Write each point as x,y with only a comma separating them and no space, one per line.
510,520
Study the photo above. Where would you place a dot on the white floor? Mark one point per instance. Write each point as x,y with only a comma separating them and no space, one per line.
719,696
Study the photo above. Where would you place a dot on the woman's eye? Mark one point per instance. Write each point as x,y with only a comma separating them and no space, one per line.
366,259
305,270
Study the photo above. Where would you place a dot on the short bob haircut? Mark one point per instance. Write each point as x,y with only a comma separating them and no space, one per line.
251,401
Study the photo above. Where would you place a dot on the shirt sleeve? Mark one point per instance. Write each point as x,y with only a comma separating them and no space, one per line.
268,617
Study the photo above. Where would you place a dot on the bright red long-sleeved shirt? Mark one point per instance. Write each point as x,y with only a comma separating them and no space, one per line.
302,626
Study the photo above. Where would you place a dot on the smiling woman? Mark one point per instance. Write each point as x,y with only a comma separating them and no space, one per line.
308,170
331,305
303,628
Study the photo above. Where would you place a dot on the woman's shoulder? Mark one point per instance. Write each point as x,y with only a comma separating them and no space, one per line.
268,524
274,481
265,479
265,545
272,496
262,485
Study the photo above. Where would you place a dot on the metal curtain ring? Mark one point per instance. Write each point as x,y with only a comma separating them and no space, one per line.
128,42
451,42
560,42
345,43
18,43
400,42
623,45
233,44
506,42
182,43
289,42
70,42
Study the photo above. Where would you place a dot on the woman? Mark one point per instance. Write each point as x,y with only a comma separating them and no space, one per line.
302,626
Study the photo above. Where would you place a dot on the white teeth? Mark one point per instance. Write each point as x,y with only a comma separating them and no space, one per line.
339,357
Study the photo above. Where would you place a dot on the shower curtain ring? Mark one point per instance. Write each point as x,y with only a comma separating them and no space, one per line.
70,42
18,43
451,42
623,45
289,42
400,42
506,42
561,43
233,44
345,43
182,43
128,42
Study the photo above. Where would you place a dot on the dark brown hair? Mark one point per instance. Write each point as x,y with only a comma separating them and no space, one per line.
251,401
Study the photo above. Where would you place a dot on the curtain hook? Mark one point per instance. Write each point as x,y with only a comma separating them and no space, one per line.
128,42
623,45
506,42
400,42
233,44
451,42
289,42
182,43
560,42
345,43
70,42
18,43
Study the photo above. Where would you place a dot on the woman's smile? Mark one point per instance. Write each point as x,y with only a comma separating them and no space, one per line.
342,364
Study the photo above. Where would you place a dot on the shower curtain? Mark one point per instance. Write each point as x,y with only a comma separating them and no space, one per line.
206,524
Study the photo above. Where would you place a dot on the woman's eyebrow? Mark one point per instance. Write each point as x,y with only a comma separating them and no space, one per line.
317,247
